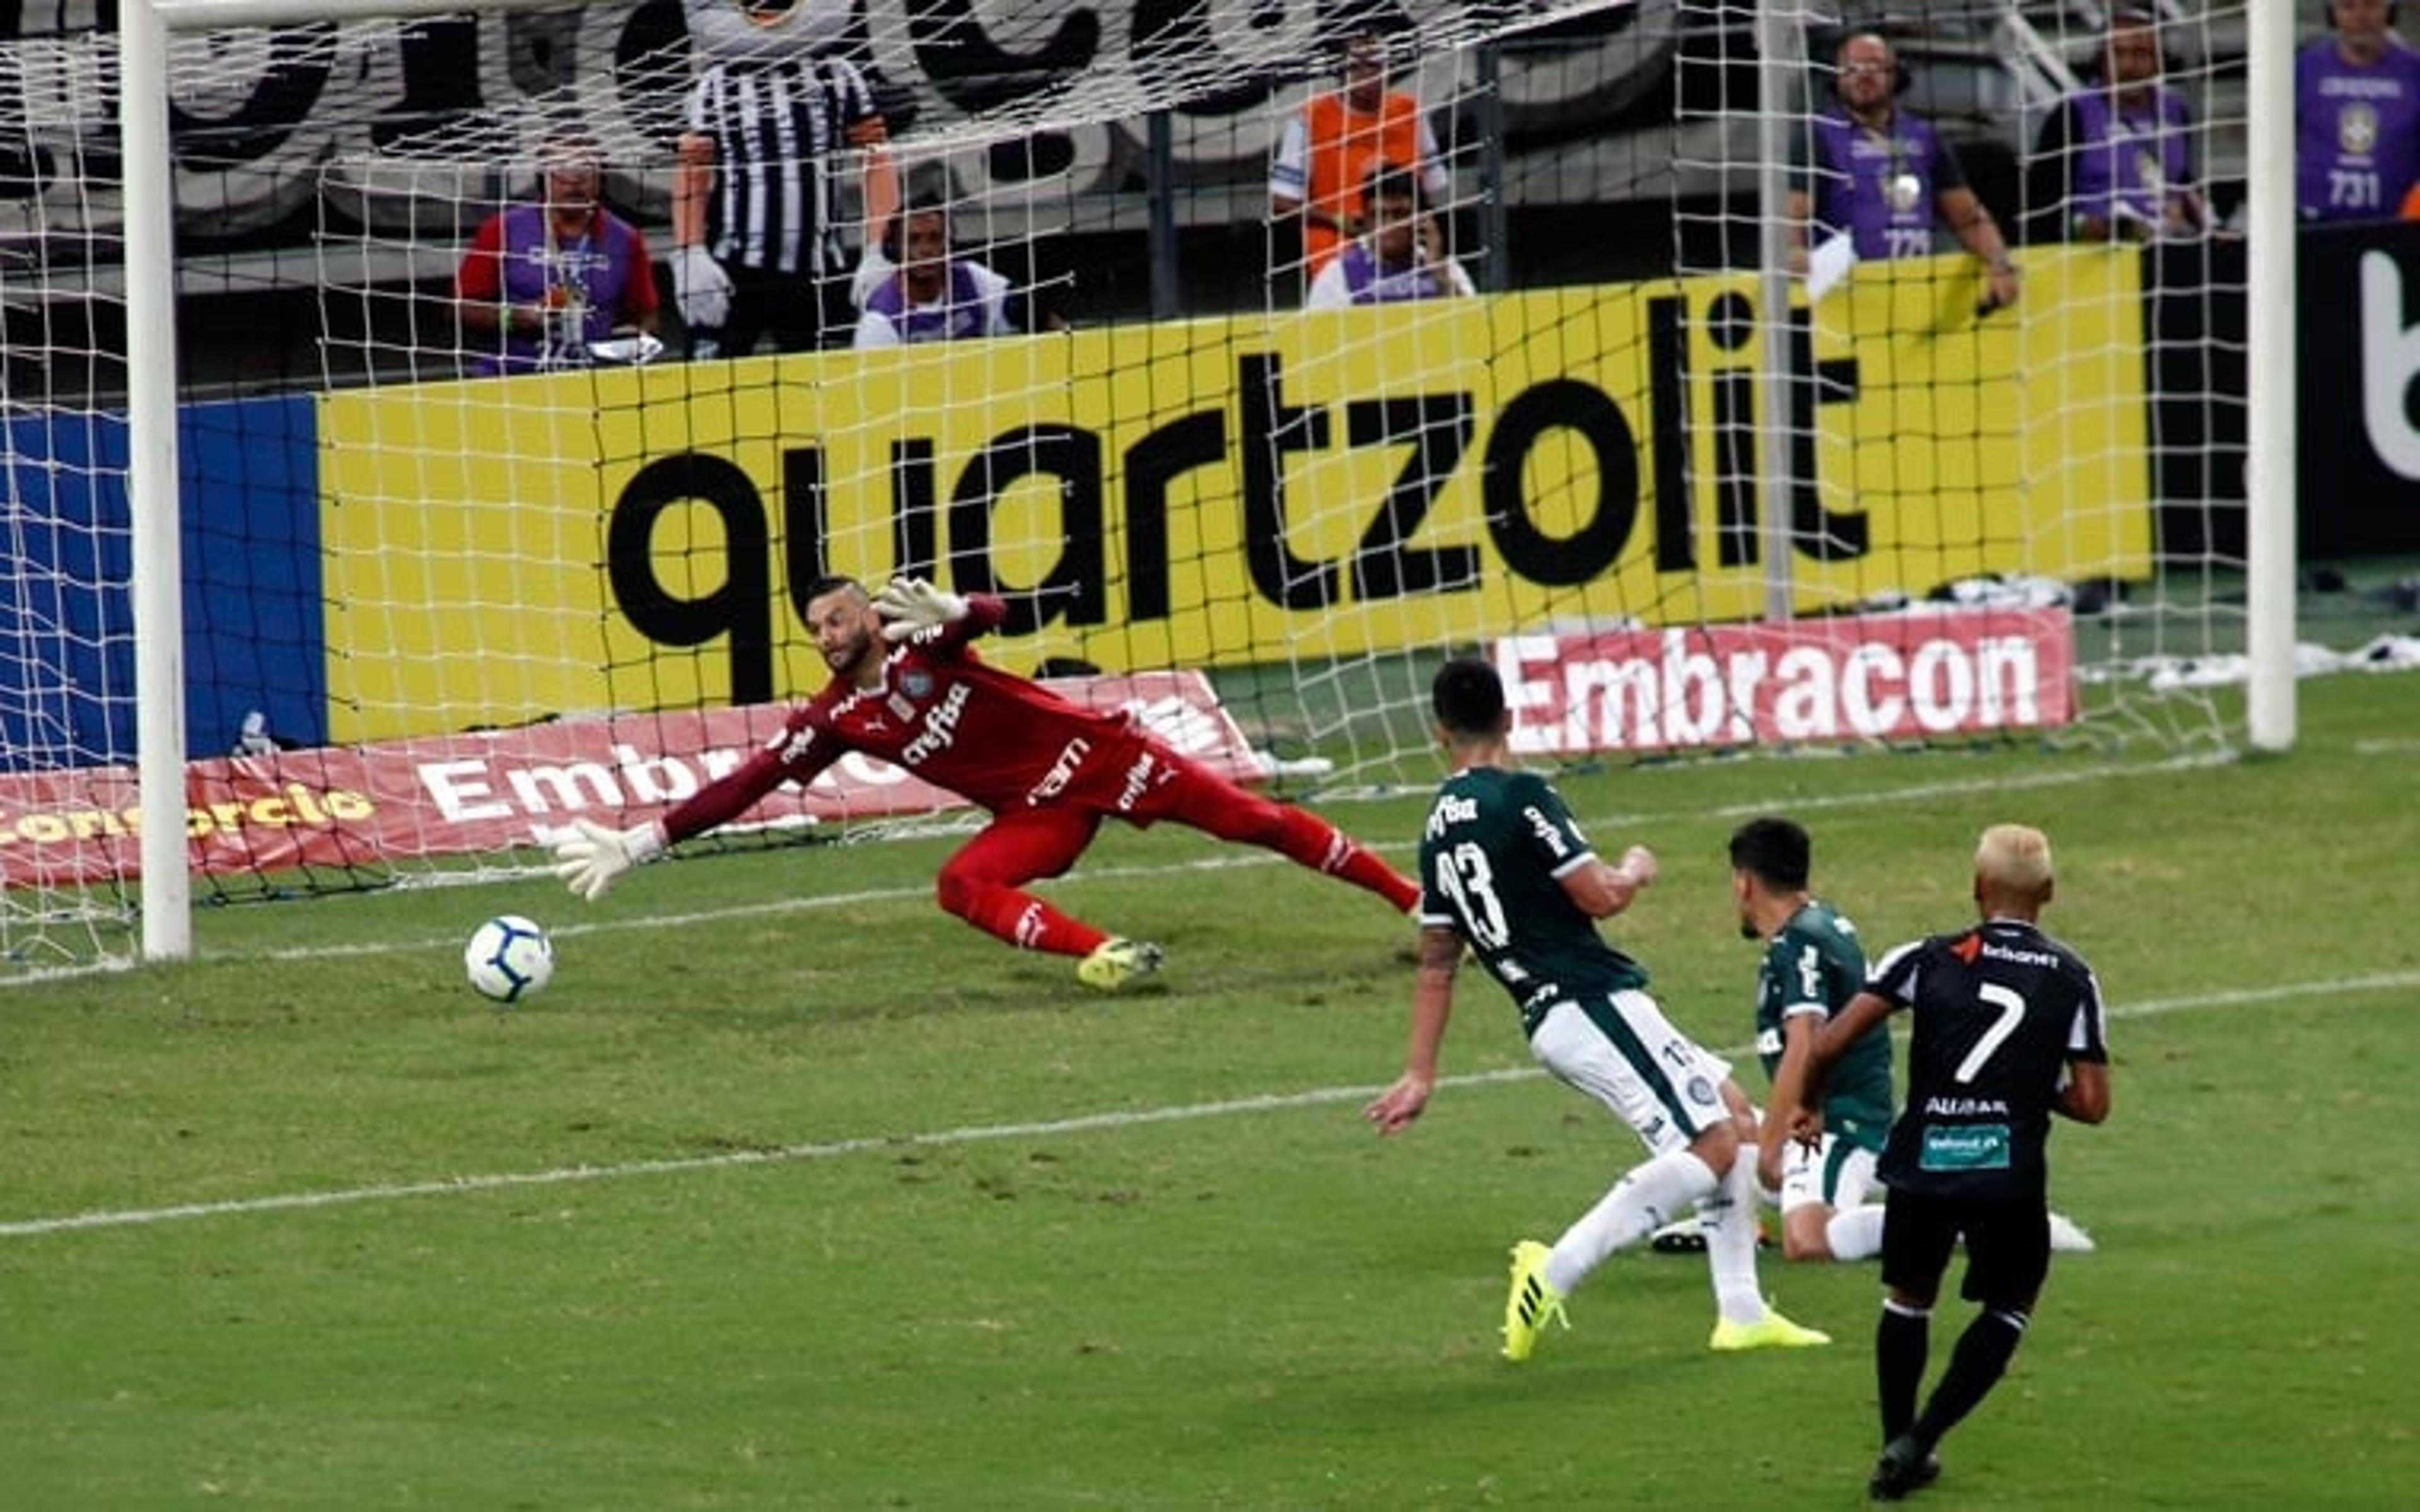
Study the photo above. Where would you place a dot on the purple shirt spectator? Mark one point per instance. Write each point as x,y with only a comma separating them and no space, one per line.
2357,143
1879,186
974,303
2129,159
585,286
1357,275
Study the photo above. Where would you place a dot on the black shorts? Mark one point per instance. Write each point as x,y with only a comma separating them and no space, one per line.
2008,1246
802,312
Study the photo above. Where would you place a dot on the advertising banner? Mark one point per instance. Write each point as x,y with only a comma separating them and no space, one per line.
369,805
1897,677
1221,492
2358,443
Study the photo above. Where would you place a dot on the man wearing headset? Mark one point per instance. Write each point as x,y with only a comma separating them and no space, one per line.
1883,177
930,294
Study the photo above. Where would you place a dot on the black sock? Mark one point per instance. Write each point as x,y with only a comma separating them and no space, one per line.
1974,1368
1902,1340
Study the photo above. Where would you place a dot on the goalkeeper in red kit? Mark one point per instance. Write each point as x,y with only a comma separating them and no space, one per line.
907,687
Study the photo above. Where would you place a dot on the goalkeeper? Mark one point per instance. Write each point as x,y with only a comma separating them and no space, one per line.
907,687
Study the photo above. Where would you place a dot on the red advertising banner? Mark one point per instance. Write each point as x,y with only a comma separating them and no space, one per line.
1869,678
490,790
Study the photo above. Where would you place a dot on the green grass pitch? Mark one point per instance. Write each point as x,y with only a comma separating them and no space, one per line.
791,1192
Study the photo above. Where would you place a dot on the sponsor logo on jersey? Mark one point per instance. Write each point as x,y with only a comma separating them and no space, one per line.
1139,780
940,729
1968,948
1982,1147
795,744
1964,1107
2016,957
1768,1041
1451,810
1548,834
1062,771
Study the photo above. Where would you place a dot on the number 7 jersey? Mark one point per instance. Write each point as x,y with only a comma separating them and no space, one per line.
1999,1010
1492,855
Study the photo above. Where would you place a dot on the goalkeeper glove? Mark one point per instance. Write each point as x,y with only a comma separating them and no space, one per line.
590,860
909,605
700,287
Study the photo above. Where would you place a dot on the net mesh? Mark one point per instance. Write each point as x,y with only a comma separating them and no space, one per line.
1609,432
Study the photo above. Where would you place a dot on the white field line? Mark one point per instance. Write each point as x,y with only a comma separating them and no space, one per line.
1082,1123
1924,792
1237,857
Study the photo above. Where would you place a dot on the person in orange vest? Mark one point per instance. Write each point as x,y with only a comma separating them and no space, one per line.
1330,145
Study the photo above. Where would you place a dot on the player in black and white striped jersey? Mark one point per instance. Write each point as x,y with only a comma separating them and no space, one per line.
758,243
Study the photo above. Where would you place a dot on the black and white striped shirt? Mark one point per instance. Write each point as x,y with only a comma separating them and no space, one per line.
777,125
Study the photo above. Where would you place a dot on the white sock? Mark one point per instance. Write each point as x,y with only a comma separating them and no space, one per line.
1641,1202
1855,1233
1729,1216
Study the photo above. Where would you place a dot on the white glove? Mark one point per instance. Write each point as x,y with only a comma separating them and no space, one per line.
909,605
700,287
589,861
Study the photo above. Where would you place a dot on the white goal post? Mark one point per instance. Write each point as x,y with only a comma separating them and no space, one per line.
145,29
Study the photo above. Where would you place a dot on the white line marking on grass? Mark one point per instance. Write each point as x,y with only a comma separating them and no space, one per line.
813,903
1235,857
1082,1123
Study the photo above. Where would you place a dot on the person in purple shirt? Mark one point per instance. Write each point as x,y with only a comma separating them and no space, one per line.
2357,117
930,294
1882,175
1390,262
544,280
2116,161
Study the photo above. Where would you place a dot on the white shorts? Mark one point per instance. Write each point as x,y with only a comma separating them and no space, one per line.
1621,1050
1835,1173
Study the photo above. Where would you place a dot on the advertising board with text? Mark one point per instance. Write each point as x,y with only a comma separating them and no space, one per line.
1859,678
372,805
1219,492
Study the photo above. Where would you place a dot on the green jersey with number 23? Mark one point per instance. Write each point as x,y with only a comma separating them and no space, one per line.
1492,857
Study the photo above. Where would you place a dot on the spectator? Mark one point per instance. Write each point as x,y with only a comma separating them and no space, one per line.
2116,161
1391,262
756,206
1882,175
929,295
2357,117
1325,157
544,280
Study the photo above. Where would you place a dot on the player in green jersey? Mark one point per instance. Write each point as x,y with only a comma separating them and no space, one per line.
1506,870
1813,967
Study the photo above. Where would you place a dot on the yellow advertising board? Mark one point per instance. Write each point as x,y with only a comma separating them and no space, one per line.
1225,491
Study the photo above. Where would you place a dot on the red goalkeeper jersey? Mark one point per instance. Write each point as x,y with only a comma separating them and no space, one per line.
992,737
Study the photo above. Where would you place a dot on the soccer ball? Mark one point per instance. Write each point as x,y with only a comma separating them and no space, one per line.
509,958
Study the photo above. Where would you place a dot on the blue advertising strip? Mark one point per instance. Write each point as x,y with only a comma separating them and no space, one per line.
253,620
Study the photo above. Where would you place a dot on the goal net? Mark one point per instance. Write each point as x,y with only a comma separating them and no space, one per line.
2012,361
477,539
